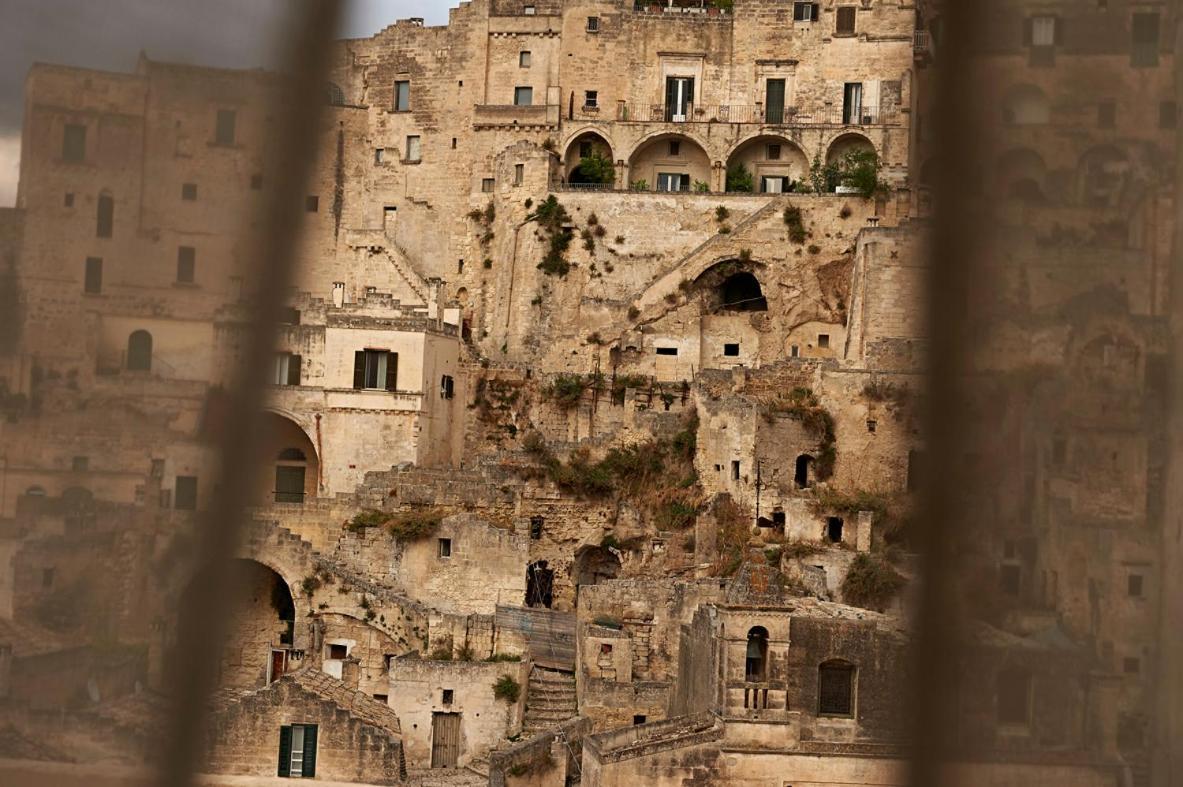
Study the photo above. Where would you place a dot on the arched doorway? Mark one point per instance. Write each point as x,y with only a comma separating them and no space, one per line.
260,625
670,162
588,161
768,165
741,292
139,351
292,474
594,565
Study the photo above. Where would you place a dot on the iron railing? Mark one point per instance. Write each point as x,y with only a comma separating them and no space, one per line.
753,114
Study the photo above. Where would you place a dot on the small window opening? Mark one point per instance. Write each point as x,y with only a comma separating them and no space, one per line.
189,191
1131,665
666,350
524,59
794,351
734,469
74,142
80,464
93,283
447,696
872,425
1134,585
225,127
402,95
731,350
338,651
675,147
823,341
69,199
414,152
312,203
801,474
105,216
523,96
383,698
774,152
445,547
519,174
591,99
756,661
834,529
638,718
186,264
447,387
536,523
487,185
593,24
835,691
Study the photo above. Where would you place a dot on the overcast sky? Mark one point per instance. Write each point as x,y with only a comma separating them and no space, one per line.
109,34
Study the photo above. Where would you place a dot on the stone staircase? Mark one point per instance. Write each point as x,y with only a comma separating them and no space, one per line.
446,777
550,700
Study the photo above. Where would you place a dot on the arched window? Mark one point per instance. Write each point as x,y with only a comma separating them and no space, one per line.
801,471
835,689
139,351
756,663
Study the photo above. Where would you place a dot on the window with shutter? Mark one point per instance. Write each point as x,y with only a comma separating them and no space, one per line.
845,21
309,765
285,751
391,371
105,217
359,369
835,691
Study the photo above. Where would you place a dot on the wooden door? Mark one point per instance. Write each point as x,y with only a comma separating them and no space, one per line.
445,740
278,664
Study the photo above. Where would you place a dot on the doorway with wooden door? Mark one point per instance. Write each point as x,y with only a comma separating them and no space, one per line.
445,740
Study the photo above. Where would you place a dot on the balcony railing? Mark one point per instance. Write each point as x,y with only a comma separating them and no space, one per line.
921,42
754,114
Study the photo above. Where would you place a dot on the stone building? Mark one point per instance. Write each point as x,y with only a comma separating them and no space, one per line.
600,380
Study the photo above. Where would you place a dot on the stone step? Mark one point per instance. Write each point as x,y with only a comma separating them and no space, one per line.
551,676
548,717
549,690
551,702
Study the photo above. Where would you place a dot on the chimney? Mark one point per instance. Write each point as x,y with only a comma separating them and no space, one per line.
351,673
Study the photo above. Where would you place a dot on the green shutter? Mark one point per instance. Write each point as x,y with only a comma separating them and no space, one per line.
391,371
309,769
285,751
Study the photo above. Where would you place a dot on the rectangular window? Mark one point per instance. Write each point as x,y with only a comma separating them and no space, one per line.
287,369
189,191
794,351
1144,40
667,350
224,129
402,96
445,545
105,217
731,350
375,370
413,152
528,10
593,24
591,99
447,387
186,264
297,751
773,184
673,181
312,203
1134,586
94,276
675,147
447,696
379,155
1043,31
523,96
74,142
734,469
519,174
523,59
845,22
80,464
1014,697
1131,666
774,101
823,340
852,102
338,652
487,185
773,153
1168,114
679,98
185,495
1106,114
536,523
805,12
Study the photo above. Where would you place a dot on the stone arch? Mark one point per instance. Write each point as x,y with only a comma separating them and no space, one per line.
732,286
593,564
139,351
848,142
581,145
261,620
1025,105
756,655
670,161
775,163
1022,175
293,464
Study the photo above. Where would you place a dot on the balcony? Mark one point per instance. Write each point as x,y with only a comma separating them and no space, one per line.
692,9
754,114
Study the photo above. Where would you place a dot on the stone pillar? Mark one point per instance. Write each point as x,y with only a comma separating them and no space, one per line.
865,520
351,673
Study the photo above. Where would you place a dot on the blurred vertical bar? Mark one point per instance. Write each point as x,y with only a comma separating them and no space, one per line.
296,113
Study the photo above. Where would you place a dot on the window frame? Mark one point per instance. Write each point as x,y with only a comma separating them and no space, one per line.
593,24
384,367
401,96
525,58
414,144
186,265
226,128
74,143
92,277
852,12
520,91
833,667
